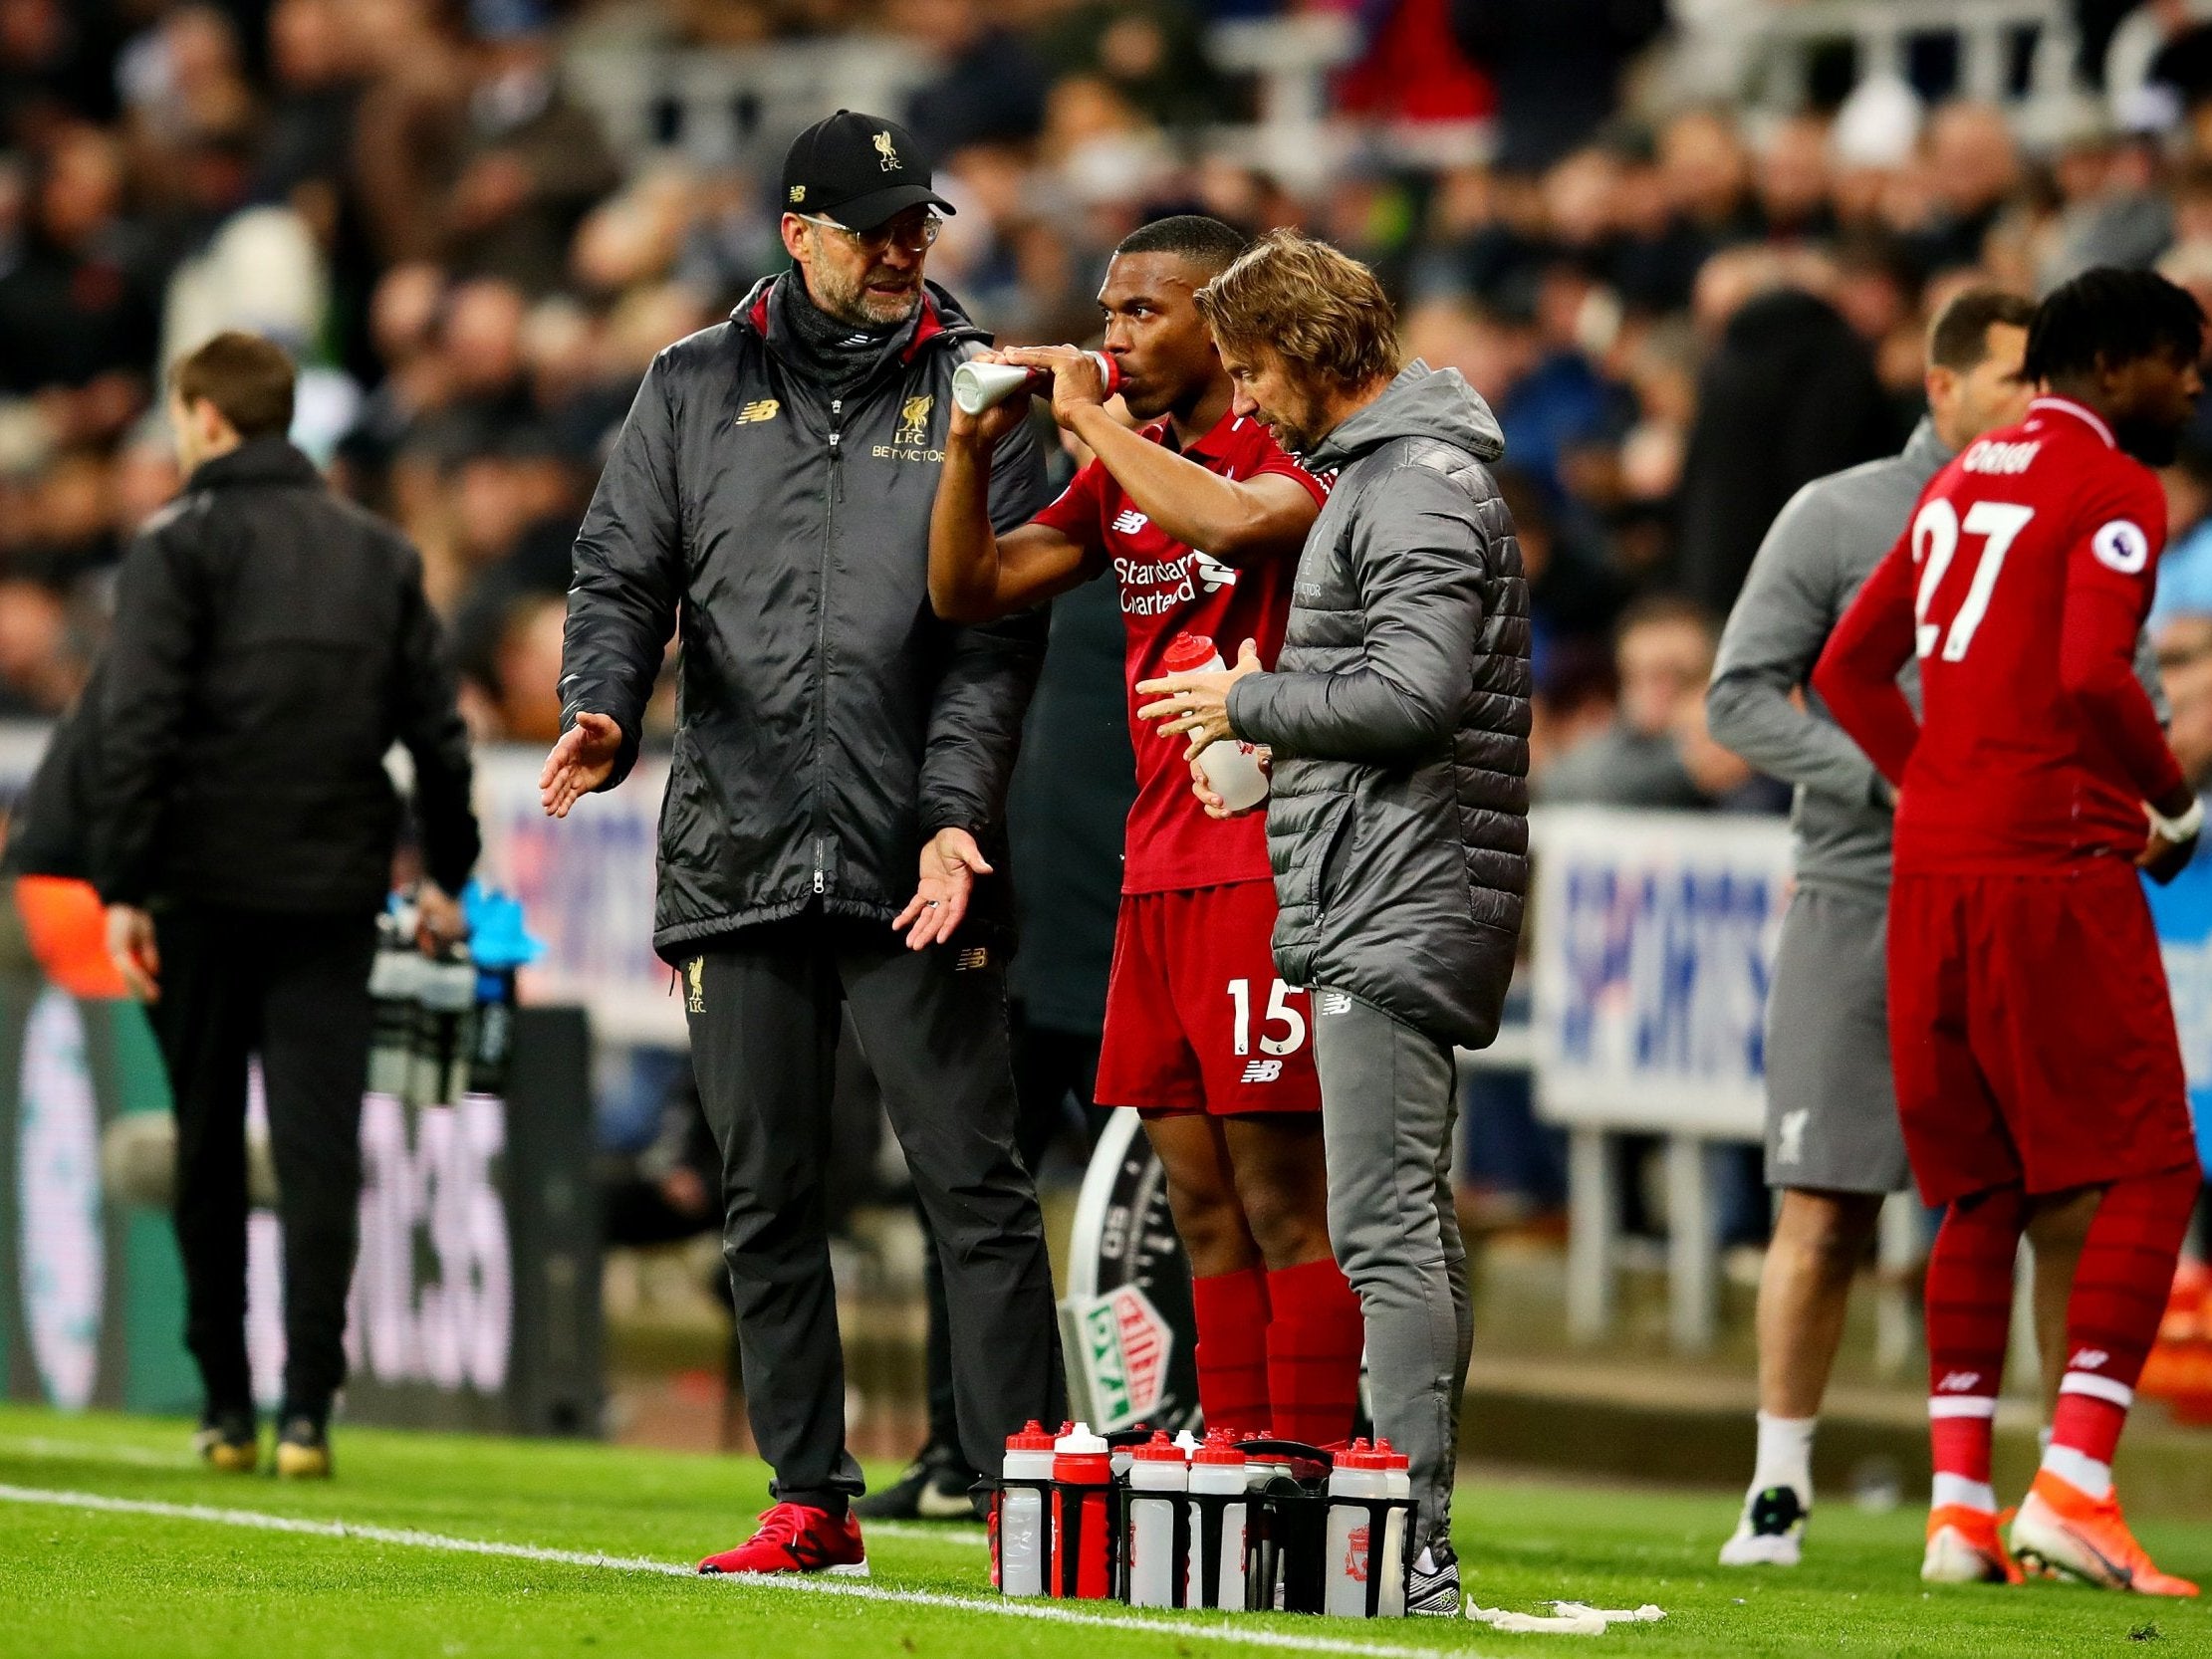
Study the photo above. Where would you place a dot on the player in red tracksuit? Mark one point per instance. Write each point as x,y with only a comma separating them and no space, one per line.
1199,518
2032,1035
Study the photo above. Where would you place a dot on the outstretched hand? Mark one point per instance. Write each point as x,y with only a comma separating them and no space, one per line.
1197,703
580,763
951,863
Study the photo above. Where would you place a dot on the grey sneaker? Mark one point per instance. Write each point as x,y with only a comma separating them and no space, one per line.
1432,1585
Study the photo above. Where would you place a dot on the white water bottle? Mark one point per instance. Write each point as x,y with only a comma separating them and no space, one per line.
1217,1471
1358,1477
1398,1478
1231,765
977,387
1022,1521
1158,1479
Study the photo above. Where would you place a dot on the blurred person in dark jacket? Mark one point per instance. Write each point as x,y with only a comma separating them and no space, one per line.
271,643
1070,796
532,160
1556,67
1789,394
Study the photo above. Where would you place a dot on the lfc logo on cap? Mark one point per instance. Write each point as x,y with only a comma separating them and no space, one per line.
883,147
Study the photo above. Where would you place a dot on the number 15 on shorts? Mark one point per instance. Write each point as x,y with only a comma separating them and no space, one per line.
1279,1012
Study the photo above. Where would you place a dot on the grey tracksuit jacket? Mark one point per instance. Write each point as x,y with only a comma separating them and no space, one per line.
1819,552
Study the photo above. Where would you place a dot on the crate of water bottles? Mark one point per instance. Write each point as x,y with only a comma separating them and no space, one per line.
1226,1523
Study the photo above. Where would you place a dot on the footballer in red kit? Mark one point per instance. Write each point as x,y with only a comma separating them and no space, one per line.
2032,1032
1196,1019
1198,518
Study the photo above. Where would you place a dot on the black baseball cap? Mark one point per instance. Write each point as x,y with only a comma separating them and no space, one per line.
859,170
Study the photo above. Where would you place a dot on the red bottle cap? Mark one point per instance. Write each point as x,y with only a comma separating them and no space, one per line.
1033,1437
1394,1458
1219,1448
1360,1455
1159,1448
1186,652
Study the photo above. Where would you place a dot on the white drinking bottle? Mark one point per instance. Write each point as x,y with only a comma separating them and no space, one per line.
1024,1526
977,387
1231,765
1158,1477
1358,1478
1398,1483
1217,1472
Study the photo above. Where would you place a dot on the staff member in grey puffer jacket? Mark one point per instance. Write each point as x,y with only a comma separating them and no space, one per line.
1398,721
771,487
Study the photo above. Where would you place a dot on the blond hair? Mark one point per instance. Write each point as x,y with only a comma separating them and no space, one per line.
1315,307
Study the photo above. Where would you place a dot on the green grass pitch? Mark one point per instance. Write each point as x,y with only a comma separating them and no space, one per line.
78,1578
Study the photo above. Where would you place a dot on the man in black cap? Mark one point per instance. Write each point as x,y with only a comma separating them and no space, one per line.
772,488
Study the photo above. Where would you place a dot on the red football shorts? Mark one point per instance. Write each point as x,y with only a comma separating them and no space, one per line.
1196,1019
2031,1032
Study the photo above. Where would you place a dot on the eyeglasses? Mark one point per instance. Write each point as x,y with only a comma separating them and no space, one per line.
917,237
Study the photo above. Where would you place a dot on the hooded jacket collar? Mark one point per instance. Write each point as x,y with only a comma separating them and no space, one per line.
938,317
1422,402
1925,451
264,460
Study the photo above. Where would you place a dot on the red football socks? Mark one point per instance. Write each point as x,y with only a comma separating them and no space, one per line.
2120,1295
1970,1287
1314,1344
1232,1352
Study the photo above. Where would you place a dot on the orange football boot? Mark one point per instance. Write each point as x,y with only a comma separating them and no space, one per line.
2060,1526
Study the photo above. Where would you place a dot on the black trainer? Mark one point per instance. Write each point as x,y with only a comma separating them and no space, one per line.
934,1488
229,1441
303,1450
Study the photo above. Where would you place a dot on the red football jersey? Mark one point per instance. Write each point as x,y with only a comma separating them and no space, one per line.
1168,589
2021,582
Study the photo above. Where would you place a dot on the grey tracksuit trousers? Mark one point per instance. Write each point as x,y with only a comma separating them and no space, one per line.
1388,1103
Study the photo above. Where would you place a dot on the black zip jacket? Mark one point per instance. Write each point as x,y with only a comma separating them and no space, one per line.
828,723
271,643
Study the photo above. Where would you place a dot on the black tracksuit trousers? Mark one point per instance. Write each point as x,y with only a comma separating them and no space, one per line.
764,1016
293,989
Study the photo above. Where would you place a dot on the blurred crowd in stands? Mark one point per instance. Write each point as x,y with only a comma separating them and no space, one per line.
1682,310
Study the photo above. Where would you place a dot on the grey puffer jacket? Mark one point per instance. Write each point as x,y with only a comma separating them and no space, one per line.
1400,719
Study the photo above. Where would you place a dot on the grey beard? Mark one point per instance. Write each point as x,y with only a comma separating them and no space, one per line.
853,304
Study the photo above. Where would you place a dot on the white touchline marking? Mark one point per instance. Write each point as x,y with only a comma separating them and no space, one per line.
145,1457
1182,1628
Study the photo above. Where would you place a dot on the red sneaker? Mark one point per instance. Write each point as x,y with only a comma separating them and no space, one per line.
795,1539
